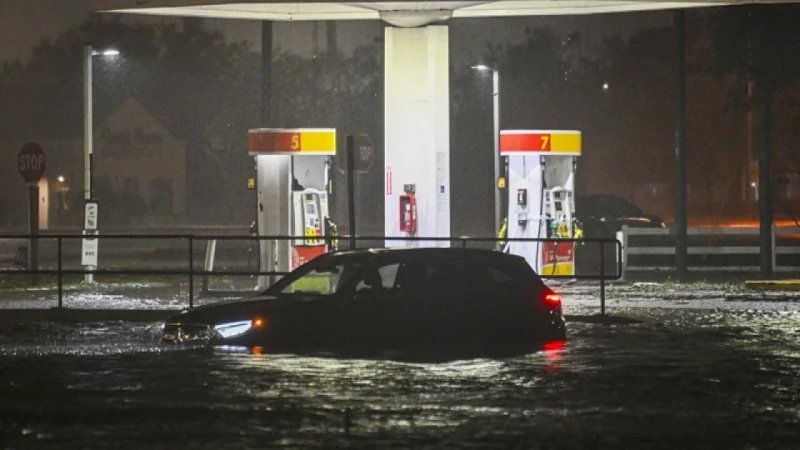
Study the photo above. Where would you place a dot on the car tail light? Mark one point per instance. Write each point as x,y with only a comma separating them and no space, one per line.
554,345
551,298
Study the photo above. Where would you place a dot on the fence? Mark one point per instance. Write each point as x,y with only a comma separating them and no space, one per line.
736,249
187,245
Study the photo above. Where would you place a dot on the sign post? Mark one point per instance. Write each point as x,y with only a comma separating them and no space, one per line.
89,244
31,163
358,159
351,202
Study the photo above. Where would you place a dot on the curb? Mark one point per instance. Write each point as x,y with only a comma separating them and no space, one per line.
598,319
772,285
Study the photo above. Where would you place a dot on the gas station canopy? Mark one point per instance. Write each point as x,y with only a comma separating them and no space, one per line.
417,118
402,14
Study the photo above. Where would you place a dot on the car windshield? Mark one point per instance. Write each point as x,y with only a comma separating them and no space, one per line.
316,279
625,207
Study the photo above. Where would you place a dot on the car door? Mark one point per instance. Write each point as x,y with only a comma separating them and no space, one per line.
481,311
444,313
378,312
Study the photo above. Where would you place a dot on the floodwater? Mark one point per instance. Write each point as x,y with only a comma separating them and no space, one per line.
681,379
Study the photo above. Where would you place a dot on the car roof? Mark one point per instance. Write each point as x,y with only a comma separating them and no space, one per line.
598,197
423,252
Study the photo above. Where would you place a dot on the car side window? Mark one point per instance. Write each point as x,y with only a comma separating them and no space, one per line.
445,274
476,274
388,275
380,277
498,276
622,206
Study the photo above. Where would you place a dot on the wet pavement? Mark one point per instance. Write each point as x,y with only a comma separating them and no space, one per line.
682,378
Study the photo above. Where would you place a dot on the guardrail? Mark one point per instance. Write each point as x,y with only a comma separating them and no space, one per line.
191,271
728,233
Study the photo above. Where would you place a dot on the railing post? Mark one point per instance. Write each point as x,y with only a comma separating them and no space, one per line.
602,278
351,202
60,277
774,253
463,243
623,252
191,272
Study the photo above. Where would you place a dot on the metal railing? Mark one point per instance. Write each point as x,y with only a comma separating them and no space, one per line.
734,248
191,271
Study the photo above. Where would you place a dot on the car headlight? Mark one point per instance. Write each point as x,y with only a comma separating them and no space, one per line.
233,329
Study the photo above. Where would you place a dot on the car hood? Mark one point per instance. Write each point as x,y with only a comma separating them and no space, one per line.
646,219
241,309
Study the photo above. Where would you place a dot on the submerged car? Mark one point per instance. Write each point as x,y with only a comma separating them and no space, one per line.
426,301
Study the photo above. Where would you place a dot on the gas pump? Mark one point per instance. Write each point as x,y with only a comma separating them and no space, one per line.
541,175
310,214
292,168
559,204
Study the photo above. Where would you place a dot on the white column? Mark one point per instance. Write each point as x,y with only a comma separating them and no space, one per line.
274,212
417,128
88,136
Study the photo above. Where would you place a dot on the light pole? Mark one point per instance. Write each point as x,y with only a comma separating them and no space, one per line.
89,245
498,200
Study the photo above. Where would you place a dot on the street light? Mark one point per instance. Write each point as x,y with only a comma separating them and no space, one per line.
498,201
88,52
605,86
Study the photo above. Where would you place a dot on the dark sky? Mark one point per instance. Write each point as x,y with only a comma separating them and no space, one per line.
24,23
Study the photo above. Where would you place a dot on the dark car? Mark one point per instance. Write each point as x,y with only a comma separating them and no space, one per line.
603,215
439,302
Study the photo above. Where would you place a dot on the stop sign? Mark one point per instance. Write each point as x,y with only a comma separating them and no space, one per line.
31,162
363,154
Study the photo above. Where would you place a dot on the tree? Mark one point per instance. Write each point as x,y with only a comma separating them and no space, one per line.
185,75
758,44
344,92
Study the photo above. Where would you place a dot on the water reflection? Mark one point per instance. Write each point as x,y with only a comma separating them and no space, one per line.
720,378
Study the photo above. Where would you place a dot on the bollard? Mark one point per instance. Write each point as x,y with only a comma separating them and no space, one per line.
347,420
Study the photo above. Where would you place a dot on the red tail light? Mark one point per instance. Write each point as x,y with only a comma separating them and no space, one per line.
554,345
552,299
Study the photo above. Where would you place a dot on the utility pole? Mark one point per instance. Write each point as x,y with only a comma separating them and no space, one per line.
765,216
265,120
680,226
498,199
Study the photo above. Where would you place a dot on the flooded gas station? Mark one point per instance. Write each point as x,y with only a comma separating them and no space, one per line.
671,366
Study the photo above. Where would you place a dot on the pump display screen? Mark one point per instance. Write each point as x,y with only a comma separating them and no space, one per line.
310,209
